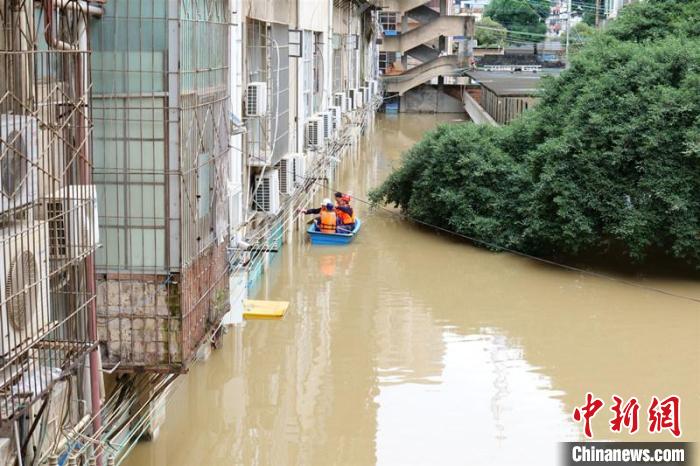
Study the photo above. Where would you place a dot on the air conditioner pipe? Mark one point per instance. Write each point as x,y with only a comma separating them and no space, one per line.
85,174
49,6
81,5
49,33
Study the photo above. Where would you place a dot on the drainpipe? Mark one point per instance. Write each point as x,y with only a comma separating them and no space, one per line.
85,170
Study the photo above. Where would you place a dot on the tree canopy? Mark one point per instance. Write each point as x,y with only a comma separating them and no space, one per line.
489,33
609,158
525,18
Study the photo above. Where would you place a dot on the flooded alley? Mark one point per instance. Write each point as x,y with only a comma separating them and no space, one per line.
408,347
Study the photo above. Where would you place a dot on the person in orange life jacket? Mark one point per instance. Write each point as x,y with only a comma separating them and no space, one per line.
327,219
344,212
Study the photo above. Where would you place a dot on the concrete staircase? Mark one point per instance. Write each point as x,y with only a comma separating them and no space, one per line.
412,43
423,14
447,65
400,6
442,26
423,53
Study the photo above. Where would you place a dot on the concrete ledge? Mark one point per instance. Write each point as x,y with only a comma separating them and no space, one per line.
476,112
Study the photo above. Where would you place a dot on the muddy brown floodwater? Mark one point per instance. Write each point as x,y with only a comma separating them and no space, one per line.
410,348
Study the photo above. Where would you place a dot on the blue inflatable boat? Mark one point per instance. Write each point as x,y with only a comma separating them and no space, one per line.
332,238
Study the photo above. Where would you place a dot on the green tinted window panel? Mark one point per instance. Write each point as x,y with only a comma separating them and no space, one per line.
204,184
146,248
112,208
129,72
113,256
152,162
108,160
108,118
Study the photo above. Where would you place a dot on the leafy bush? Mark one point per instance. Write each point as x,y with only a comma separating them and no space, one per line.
489,33
609,157
521,16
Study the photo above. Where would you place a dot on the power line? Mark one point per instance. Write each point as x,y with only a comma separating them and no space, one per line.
492,245
532,257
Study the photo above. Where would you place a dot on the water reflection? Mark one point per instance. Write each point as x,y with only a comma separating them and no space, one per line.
482,410
410,348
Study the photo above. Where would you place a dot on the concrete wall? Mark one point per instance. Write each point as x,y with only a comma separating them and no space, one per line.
314,15
278,11
504,109
429,99
475,111
135,324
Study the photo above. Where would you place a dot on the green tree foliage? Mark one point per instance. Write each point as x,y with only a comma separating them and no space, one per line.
587,9
609,158
580,34
489,33
521,16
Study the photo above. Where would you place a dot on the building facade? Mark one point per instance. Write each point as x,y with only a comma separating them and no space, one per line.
305,85
154,154
161,113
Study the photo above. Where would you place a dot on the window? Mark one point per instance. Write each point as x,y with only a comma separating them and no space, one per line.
352,42
318,71
383,61
307,74
204,184
206,149
388,21
296,45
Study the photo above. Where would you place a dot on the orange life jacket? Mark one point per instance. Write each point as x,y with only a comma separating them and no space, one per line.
345,218
328,221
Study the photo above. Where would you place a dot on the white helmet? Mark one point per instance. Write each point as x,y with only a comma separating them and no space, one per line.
326,201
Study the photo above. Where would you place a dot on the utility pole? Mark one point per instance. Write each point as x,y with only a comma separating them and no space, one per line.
597,14
568,29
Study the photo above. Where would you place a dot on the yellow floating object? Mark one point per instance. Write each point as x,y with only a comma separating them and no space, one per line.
253,309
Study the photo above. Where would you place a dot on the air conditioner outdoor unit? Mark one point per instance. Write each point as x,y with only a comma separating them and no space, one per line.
266,198
356,98
256,99
18,161
327,124
365,95
52,100
314,133
73,222
24,285
336,117
286,171
340,99
299,169
374,86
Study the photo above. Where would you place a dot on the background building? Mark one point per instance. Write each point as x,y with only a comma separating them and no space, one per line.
416,53
309,84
